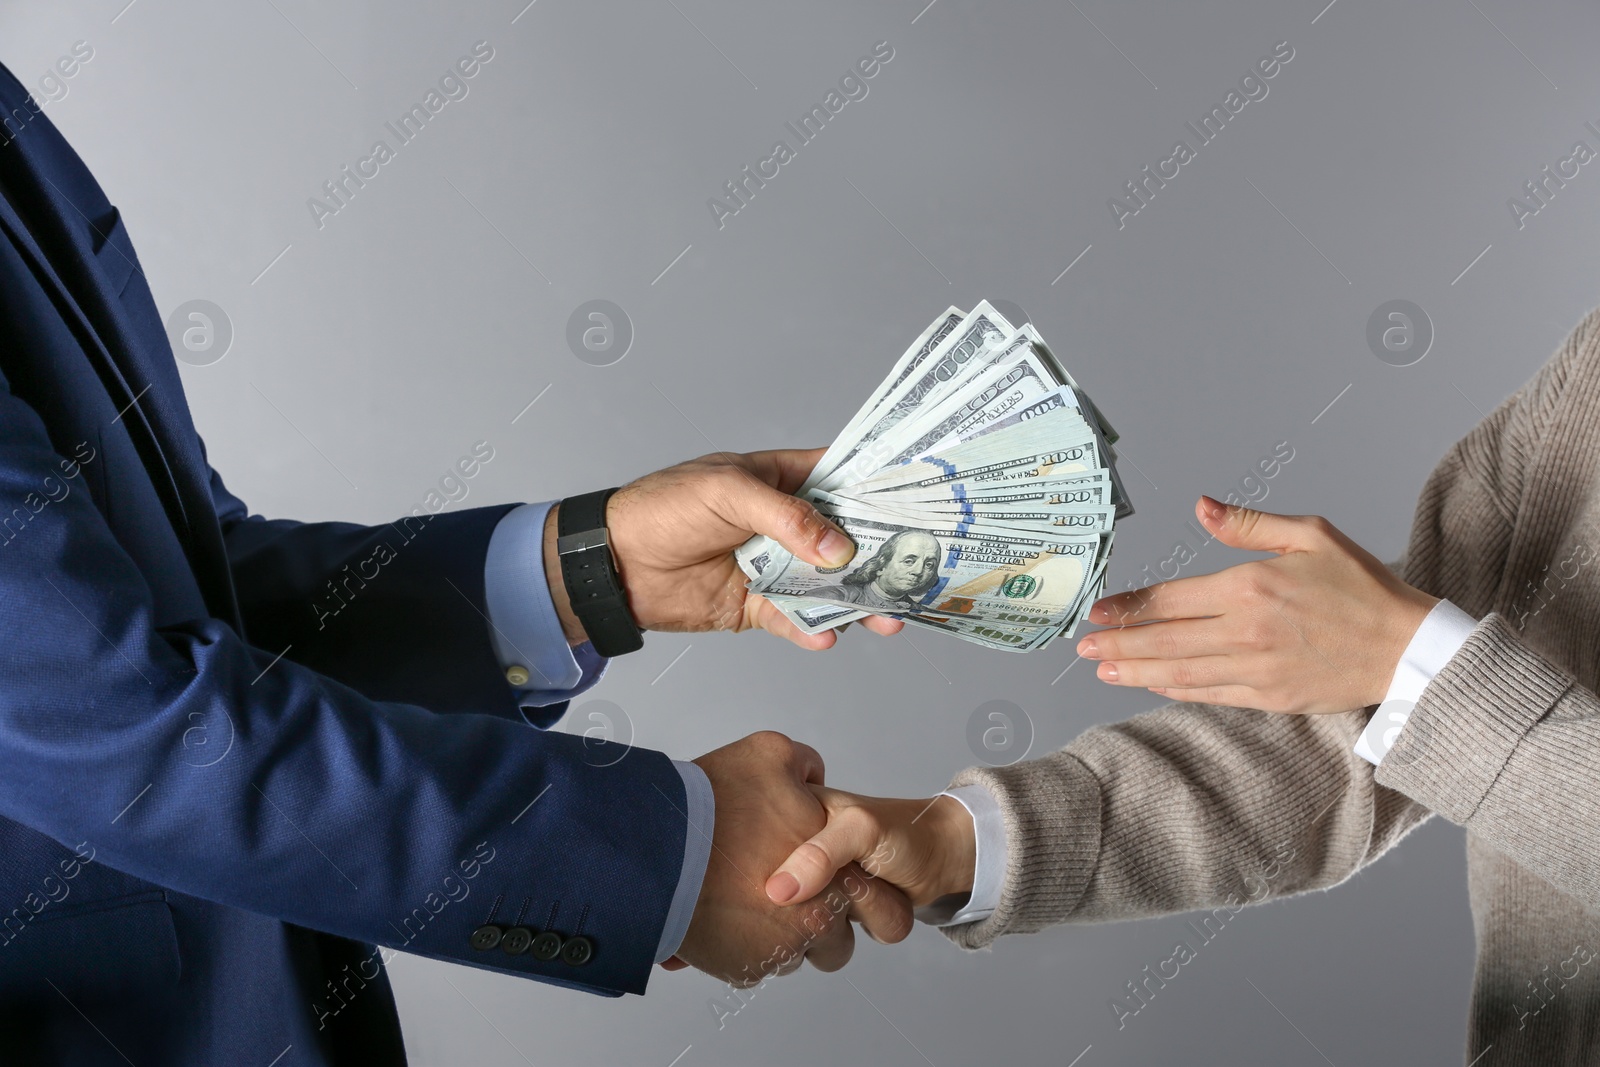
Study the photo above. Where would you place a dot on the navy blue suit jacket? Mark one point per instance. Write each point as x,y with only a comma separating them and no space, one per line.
206,850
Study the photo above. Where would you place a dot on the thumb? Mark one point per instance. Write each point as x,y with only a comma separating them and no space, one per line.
811,867
1247,528
793,523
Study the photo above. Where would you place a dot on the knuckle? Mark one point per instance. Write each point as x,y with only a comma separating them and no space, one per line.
1140,605
824,924
797,518
1184,675
731,482
895,928
716,472
1256,583
1319,526
1125,606
1165,643
812,858
771,742
1254,635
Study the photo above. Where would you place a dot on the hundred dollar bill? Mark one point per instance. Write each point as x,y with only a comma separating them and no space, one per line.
1041,448
1090,488
942,571
813,616
1027,518
988,634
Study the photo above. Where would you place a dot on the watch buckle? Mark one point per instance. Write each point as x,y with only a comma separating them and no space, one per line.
582,541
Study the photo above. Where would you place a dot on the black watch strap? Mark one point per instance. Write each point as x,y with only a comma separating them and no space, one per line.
583,544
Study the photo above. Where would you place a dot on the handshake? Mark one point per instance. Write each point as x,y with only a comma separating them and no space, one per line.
794,863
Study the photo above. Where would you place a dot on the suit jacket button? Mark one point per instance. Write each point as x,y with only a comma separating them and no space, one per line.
486,937
577,951
516,940
547,946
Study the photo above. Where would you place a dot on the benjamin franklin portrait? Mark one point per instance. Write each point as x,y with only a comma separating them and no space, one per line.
905,567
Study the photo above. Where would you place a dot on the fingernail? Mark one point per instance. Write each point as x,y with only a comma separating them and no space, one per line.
835,548
1214,508
1100,613
1108,671
782,887
1087,649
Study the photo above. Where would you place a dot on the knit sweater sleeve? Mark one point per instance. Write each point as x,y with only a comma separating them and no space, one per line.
1197,806
1505,740
1506,743
1188,806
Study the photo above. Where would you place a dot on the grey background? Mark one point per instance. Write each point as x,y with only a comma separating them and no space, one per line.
423,318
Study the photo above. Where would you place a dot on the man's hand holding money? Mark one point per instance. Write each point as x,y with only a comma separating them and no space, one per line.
673,532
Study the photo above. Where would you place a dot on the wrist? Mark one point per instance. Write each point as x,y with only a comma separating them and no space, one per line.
571,627
1415,608
953,845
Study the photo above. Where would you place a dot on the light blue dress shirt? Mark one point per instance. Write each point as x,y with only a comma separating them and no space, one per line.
526,632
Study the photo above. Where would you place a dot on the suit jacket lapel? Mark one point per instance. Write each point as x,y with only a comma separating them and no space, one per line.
125,394
149,397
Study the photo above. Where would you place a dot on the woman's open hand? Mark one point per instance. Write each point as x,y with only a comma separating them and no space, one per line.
1319,628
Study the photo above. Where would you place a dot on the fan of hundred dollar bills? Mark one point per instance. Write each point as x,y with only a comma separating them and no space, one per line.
981,490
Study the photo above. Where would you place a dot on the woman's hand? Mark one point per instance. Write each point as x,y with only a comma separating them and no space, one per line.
927,848
1320,628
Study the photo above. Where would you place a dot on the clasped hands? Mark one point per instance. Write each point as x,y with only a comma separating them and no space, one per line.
1318,627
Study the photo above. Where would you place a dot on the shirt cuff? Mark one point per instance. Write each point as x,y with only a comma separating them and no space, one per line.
524,629
989,864
702,808
1443,632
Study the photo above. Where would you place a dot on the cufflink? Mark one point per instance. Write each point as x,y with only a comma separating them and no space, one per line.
517,676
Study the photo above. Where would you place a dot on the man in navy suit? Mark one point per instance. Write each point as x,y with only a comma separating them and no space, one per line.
219,811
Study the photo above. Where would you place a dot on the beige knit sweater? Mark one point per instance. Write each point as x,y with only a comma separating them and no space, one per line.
1193,806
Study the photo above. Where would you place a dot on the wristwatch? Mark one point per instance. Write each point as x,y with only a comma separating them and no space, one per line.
583,544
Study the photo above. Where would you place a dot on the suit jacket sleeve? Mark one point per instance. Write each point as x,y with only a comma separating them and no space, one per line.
369,819
397,611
